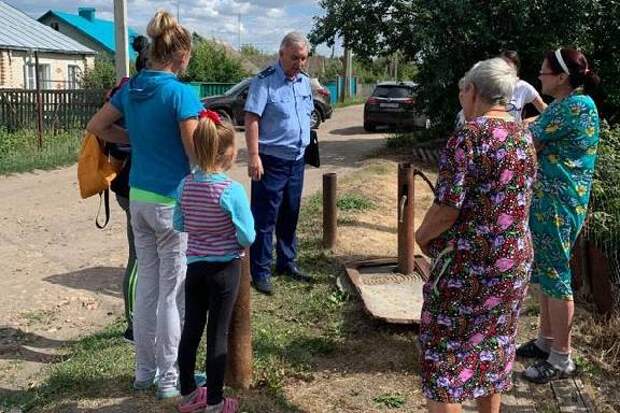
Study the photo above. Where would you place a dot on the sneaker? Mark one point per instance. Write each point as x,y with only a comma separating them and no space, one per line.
128,335
163,394
228,405
194,401
144,385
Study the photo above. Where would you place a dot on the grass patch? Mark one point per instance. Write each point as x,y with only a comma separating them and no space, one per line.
390,400
20,152
354,202
290,329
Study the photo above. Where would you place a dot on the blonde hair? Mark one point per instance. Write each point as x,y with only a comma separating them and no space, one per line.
170,40
211,142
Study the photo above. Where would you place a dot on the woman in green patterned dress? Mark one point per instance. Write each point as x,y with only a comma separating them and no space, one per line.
566,135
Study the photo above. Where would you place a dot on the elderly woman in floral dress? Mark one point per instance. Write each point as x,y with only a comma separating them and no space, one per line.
478,235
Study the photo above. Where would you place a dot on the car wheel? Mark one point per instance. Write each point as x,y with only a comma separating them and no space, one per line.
315,119
370,127
224,116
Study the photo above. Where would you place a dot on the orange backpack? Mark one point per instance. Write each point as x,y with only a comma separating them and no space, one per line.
95,173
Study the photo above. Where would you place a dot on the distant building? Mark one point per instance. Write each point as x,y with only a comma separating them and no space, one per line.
61,59
86,29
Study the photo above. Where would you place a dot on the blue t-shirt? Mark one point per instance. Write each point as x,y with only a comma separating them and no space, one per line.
285,107
153,103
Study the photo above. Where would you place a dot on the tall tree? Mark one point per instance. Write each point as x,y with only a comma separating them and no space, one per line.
446,37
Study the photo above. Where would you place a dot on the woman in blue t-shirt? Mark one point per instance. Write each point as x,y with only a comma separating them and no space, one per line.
160,115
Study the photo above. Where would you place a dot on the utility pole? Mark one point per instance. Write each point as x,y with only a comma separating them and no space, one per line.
121,59
239,29
348,72
178,11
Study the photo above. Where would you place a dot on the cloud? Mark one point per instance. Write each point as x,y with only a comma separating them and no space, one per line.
263,22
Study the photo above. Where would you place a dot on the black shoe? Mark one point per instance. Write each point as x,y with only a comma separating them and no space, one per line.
293,271
128,335
531,351
263,287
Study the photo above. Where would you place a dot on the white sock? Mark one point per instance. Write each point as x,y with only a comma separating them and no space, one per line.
561,361
543,343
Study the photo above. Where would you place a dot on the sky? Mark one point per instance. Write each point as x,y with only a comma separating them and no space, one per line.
263,23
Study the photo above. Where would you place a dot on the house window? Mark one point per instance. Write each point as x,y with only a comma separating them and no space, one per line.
73,76
55,26
44,76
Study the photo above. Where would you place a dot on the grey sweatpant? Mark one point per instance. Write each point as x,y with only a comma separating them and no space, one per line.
158,312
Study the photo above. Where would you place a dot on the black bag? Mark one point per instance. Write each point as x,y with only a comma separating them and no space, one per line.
311,156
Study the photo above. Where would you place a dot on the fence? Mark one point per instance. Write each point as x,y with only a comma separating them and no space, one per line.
211,89
59,109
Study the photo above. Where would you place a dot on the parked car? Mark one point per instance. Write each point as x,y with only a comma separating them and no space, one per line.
230,105
393,104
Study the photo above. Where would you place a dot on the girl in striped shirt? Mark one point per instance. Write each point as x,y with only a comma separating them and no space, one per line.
215,212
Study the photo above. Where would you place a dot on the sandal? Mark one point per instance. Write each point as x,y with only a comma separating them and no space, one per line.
530,350
543,372
199,401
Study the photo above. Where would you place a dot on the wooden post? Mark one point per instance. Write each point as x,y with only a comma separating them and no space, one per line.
121,58
39,100
405,218
239,370
330,210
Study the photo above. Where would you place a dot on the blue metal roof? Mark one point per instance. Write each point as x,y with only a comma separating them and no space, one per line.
22,32
99,30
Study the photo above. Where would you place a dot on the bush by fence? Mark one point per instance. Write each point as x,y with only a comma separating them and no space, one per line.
61,110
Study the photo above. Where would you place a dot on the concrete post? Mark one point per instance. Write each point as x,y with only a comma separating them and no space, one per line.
121,59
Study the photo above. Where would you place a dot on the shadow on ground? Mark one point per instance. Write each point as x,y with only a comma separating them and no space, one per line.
16,344
100,280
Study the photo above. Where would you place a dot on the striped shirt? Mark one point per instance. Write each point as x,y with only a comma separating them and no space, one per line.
215,213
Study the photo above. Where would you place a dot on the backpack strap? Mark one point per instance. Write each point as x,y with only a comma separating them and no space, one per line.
104,197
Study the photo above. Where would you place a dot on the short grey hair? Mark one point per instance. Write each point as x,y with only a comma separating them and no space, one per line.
294,38
494,80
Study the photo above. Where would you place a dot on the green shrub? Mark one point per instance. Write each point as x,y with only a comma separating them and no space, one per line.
20,152
604,218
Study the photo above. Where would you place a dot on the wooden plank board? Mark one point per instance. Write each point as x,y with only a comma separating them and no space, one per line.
568,394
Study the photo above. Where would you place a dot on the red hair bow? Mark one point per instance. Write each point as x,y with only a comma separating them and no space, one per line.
209,114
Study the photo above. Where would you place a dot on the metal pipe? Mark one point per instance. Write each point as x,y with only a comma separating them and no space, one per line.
37,82
406,192
239,370
330,210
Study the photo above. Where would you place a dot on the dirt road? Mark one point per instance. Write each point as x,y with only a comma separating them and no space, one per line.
61,277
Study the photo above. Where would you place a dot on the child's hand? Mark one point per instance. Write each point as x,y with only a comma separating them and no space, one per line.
255,167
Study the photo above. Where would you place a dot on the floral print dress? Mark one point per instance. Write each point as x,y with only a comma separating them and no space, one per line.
569,130
481,265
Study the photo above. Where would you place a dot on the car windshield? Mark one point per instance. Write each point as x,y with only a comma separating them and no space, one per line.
239,86
394,92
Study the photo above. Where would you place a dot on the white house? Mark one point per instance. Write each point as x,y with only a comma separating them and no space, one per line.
61,59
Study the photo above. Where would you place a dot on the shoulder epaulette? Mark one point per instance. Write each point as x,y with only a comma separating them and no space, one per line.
267,72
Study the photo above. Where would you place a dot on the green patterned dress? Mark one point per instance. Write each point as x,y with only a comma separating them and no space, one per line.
569,130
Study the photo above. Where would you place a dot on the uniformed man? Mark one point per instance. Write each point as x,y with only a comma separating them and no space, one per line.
277,131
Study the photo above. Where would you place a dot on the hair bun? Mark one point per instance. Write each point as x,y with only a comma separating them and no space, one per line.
140,44
161,23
